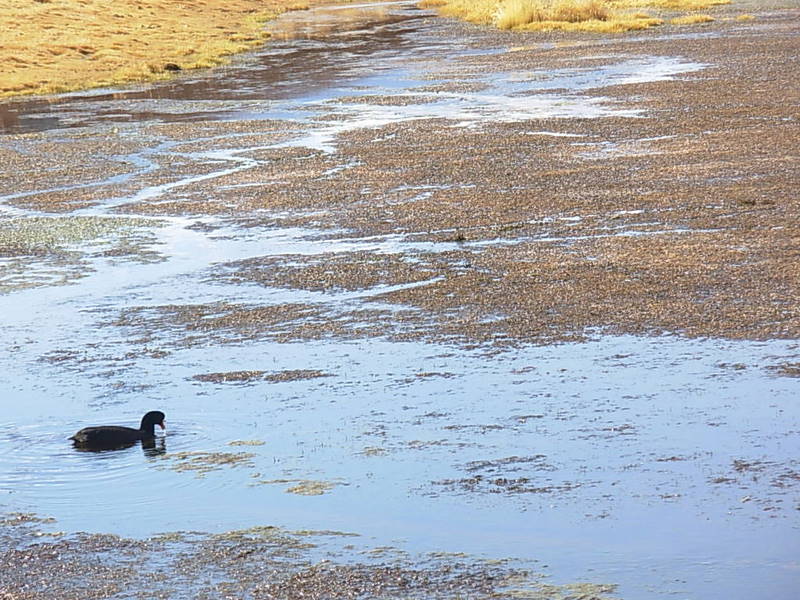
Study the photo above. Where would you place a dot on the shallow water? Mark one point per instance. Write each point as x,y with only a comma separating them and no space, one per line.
622,425
661,464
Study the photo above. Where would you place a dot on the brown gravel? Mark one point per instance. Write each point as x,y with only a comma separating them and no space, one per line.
263,563
685,219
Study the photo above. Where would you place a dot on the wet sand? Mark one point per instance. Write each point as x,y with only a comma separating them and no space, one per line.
530,190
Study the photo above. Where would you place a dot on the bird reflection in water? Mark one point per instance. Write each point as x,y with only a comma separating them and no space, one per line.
155,447
151,448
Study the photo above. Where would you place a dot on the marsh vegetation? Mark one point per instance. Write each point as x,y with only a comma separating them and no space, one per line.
606,16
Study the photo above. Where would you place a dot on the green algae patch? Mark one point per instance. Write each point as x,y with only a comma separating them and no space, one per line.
296,375
201,463
570,591
38,251
302,487
787,369
324,533
20,518
373,451
269,533
230,377
247,443
170,536
42,235
311,488
262,561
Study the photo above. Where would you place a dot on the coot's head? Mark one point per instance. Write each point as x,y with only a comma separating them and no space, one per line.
151,419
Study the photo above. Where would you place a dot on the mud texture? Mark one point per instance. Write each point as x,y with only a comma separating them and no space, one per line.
261,563
684,219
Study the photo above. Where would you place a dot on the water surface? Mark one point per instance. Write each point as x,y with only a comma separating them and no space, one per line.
662,464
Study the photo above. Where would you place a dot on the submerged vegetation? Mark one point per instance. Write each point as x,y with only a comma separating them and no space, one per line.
607,16
261,562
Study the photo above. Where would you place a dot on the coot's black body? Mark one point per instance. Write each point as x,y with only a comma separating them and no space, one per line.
114,436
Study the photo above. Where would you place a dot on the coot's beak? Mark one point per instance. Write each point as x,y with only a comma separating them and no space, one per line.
162,425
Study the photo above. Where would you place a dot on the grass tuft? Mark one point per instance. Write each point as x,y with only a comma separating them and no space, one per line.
600,16
677,5
691,19
516,13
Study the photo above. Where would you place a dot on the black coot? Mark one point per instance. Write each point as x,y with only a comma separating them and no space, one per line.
113,436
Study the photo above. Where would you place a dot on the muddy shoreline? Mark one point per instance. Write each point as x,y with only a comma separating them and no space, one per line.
681,219
263,562
485,194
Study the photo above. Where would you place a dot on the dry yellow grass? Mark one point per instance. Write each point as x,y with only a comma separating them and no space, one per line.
51,46
612,25
609,16
691,19
61,45
516,13
683,5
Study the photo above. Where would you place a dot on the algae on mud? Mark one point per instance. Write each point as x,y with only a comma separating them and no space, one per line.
42,251
36,235
243,377
259,562
311,488
201,462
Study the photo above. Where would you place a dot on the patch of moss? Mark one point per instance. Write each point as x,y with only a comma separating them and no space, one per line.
311,488
786,369
20,518
296,375
373,451
301,487
246,443
43,235
230,377
201,463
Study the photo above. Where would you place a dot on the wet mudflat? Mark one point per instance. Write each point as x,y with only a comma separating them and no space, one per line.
432,311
